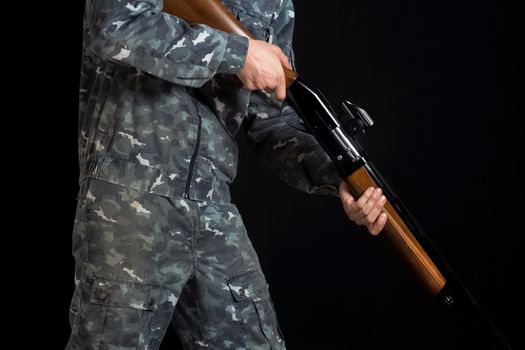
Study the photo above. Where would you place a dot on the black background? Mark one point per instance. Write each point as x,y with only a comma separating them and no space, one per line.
440,81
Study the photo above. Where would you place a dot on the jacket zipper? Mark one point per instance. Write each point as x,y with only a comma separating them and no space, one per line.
195,152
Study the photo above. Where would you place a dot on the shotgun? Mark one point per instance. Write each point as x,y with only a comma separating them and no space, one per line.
336,132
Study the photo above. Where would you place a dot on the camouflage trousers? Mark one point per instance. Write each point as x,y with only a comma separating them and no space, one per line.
144,261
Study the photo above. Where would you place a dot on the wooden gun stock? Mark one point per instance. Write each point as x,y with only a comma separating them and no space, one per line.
216,15
400,236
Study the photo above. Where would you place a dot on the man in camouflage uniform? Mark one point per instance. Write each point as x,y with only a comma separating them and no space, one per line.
156,238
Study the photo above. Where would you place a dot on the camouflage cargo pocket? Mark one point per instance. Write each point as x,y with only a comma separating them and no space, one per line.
125,310
254,309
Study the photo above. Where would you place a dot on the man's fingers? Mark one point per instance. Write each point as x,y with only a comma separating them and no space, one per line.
263,68
371,202
250,86
361,202
372,216
367,210
280,90
376,227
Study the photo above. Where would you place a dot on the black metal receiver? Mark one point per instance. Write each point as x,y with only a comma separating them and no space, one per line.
336,132
332,132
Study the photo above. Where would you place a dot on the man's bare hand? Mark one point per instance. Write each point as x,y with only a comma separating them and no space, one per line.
367,210
263,68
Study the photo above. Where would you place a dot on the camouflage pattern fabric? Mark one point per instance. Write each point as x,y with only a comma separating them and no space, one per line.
160,105
156,237
145,260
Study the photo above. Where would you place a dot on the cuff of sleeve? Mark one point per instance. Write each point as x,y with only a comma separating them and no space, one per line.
234,55
330,182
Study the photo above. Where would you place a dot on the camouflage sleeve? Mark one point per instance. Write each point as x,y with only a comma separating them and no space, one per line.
278,136
139,34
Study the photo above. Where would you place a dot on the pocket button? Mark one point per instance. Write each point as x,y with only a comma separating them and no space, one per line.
101,295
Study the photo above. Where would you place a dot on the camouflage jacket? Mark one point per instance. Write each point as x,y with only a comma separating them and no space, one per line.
160,104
